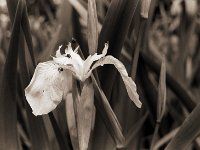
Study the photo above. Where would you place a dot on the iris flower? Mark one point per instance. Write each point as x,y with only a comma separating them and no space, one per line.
50,81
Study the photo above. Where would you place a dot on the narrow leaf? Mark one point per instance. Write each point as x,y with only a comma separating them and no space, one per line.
8,112
188,131
27,33
182,92
71,121
161,100
162,91
162,141
59,135
92,27
49,49
84,113
108,116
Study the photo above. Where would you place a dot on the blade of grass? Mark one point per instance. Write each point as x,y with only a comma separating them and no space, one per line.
72,125
27,33
188,131
165,139
59,135
162,91
138,46
8,92
149,89
108,115
178,88
48,51
161,103
135,129
92,27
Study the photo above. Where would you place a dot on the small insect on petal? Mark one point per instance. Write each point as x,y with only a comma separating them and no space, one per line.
60,69
47,87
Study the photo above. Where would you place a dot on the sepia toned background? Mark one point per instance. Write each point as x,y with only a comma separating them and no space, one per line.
158,41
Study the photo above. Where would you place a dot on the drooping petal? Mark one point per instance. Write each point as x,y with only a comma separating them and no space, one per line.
129,83
47,87
90,59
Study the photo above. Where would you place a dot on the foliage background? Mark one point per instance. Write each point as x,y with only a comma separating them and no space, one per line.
32,33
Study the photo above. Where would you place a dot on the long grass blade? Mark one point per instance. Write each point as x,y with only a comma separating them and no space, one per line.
8,112
71,121
161,104
27,33
92,27
59,136
182,92
108,116
188,131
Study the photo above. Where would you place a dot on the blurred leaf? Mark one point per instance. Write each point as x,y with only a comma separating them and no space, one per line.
135,129
161,102
178,88
162,91
92,27
84,113
148,89
65,20
165,139
64,145
188,131
71,121
27,33
138,47
108,116
49,50
80,9
8,113
145,6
